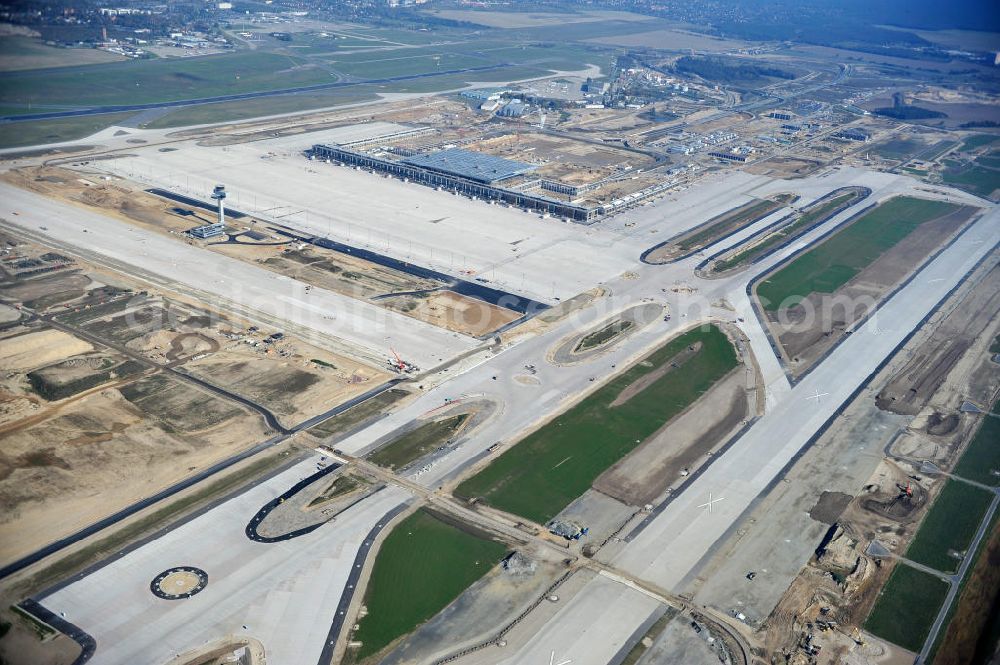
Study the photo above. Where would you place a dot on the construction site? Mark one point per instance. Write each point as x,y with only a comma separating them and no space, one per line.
677,355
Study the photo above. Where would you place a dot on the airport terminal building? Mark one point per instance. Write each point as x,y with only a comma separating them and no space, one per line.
466,172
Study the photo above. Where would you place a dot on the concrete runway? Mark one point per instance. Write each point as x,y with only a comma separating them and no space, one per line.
283,594
675,544
367,327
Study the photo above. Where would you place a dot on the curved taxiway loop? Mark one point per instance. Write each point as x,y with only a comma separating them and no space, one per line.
88,645
565,351
255,521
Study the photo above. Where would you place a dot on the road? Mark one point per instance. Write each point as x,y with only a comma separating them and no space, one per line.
678,540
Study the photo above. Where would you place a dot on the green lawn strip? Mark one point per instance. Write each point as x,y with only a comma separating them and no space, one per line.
554,465
203,114
604,335
151,81
961,590
906,607
40,132
423,565
357,414
830,265
745,214
785,233
981,459
950,525
417,443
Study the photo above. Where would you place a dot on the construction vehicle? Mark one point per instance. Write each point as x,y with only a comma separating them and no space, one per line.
399,365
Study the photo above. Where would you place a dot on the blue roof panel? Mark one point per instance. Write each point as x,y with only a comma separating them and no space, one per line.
476,166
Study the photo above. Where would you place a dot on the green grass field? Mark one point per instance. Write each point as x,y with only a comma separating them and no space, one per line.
359,413
551,467
414,445
604,335
979,141
809,217
423,565
21,134
734,219
982,457
150,81
950,525
977,179
262,106
907,607
830,265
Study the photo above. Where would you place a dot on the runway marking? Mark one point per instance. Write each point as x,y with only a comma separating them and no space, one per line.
817,396
552,660
711,502
563,462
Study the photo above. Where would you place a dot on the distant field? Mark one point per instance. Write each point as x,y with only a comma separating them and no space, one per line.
546,471
830,265
981,460
950,525
17,53
201,114
979,178
899,149
22,134
907,607
150,81
423,565
979,141
529,19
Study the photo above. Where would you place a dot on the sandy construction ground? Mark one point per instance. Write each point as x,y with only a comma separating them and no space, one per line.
680,444
29,349
285,377
102,452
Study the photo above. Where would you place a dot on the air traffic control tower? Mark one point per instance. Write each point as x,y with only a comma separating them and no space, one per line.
219,194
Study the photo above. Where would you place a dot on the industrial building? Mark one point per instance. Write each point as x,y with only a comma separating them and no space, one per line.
208,230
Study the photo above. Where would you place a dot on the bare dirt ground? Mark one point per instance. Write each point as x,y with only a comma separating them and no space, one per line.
454,311
25,349
911,388
804,340
102,452
784,167
658,462
284,377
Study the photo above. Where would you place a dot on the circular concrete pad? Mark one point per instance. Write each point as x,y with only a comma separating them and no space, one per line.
178,583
